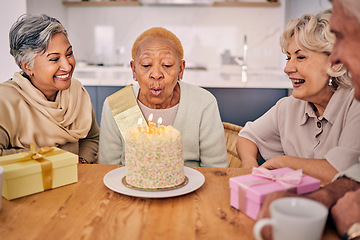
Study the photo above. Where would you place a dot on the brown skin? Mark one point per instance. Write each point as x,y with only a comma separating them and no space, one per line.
52,69
158,68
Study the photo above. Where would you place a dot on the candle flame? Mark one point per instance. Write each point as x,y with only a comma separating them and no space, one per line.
140,121
150,117
159,120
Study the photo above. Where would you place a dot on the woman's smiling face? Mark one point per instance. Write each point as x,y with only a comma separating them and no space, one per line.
53,69
307,71
157,68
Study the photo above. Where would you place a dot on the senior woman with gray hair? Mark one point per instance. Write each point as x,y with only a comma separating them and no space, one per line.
43,104
317,128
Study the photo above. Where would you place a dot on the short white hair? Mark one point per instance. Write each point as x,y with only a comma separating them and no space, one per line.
351,7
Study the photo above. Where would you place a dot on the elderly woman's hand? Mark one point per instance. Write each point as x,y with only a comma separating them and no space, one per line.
275,162
346,211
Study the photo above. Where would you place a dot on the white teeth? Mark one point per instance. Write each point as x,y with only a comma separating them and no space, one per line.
298,81
63,76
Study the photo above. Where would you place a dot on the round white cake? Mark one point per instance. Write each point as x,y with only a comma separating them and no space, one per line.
154,161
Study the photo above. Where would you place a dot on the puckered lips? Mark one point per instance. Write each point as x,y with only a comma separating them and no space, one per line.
156,91
297,82
63,77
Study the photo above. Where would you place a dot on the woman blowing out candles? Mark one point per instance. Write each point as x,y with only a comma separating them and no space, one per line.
43,104
317,128
157,65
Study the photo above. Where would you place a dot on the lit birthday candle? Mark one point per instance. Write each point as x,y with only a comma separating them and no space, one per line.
140,128
161,128
150,117
152,125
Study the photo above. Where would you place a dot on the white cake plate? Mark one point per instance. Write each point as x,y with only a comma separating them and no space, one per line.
113,180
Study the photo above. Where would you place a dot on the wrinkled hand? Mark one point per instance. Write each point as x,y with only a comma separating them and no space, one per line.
265,210
346,211
274,162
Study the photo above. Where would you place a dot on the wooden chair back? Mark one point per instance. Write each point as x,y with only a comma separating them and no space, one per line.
231,136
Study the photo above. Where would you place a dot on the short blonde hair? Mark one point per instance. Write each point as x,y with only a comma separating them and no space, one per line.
160,33
313,32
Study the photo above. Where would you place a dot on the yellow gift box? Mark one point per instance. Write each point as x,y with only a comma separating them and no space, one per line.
36,171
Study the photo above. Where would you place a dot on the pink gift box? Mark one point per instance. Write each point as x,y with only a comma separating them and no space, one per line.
249,191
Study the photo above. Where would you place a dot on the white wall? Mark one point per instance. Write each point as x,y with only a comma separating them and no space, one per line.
53,8
295,8
206,32
9,12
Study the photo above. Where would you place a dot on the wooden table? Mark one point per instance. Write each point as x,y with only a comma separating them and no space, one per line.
89,210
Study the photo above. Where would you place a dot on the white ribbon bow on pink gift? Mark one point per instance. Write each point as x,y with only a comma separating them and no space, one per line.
287,179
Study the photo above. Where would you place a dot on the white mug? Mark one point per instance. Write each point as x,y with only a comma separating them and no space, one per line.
294,218
1,183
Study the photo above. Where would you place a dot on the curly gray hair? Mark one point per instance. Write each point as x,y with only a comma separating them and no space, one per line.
30,35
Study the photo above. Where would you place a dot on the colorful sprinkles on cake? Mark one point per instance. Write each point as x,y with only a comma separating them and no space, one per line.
154,157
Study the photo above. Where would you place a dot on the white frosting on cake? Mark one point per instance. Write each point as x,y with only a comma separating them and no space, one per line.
154,160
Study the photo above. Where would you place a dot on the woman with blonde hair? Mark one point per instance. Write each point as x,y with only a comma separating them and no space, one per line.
317,128
157,65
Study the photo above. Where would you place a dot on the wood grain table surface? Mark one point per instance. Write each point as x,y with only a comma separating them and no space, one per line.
89,210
